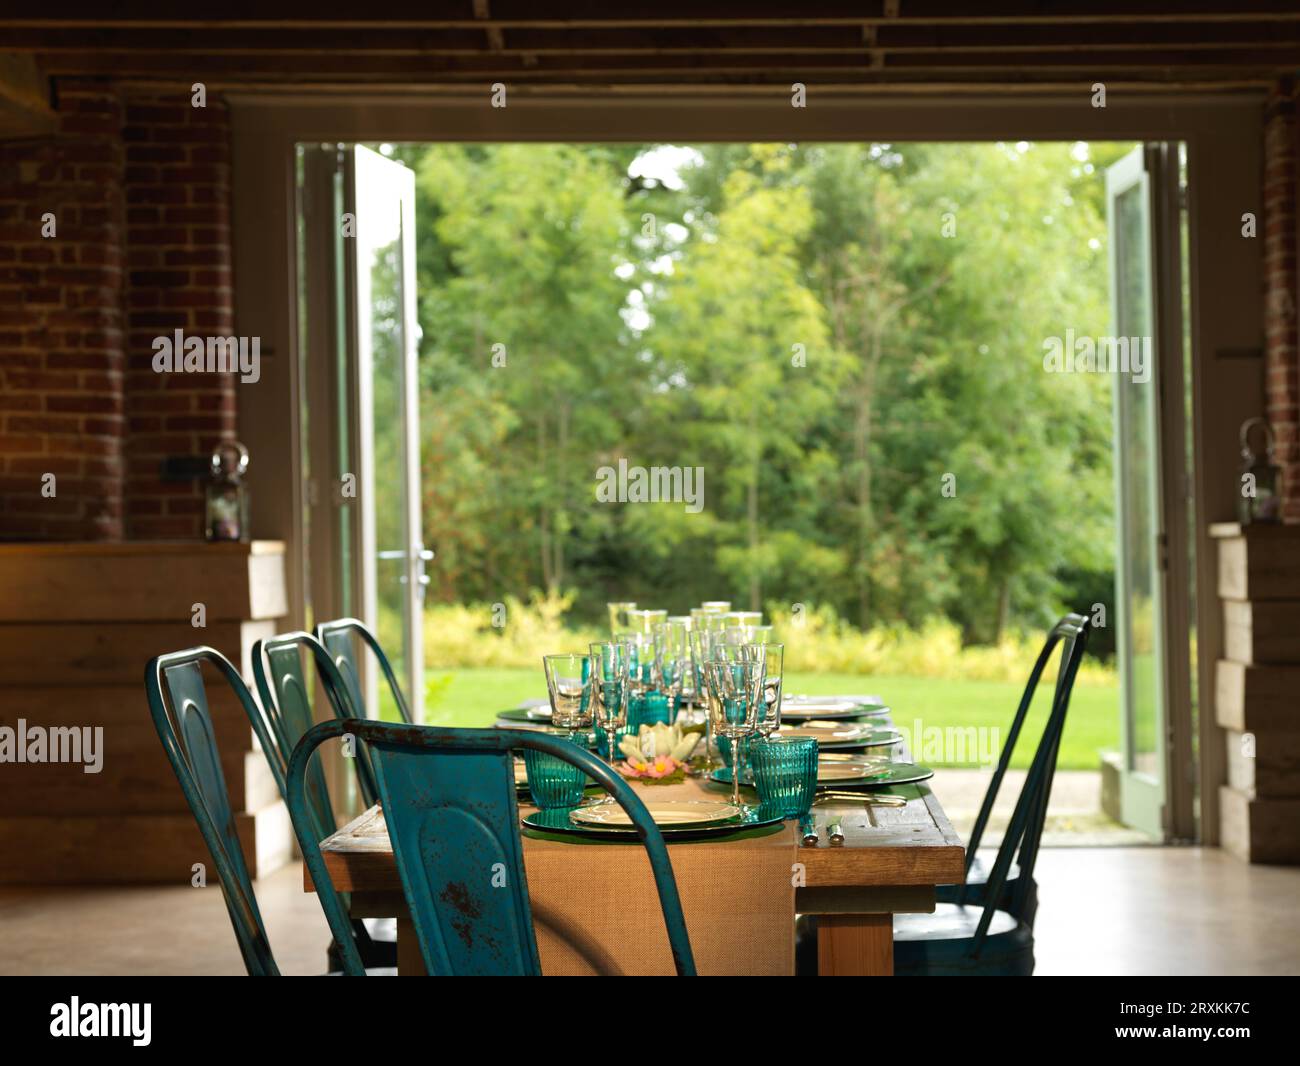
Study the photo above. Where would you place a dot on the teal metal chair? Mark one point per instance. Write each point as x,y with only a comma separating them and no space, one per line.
338,638
283,688
979,938
191,748
1071,634
449,801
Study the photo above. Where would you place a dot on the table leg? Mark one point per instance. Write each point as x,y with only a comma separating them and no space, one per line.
851,945
410,963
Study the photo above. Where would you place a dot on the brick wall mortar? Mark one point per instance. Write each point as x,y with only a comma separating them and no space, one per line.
61,325
1282,287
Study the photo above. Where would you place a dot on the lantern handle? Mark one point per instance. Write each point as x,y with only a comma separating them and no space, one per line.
1244,437
230,447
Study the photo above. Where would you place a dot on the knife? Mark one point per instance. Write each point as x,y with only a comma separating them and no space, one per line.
808,831
835,832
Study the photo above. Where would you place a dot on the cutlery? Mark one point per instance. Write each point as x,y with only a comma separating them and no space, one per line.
883,800
808,831
835,832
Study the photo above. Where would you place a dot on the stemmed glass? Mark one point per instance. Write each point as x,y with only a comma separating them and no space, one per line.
769,715
645,621
735,695
618,616
568,683
609,668
641,679
702,640
672,661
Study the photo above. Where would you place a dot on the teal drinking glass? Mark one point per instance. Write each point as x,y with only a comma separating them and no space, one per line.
552,781
785,773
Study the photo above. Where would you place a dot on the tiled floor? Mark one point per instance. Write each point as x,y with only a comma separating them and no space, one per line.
1144,911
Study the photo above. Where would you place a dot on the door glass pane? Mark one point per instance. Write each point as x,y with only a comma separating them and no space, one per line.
1137,465
381,326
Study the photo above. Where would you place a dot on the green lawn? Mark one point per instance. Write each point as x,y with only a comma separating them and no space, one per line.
472,697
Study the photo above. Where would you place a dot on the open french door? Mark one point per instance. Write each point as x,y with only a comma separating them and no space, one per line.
1152,572
367,555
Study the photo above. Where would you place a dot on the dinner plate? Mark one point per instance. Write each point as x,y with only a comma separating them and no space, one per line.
899,773
832,735
751,816
534,715
664,813
832,707
830,772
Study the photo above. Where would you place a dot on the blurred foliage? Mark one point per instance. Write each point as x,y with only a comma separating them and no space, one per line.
659,324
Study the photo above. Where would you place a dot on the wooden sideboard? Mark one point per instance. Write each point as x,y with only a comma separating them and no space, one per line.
78,623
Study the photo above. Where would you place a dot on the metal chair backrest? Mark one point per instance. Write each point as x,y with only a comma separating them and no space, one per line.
284,690
187,738
1025,829
337,636
448,797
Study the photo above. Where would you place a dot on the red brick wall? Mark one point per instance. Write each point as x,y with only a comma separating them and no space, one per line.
178,240
61,383
1282,358
140,188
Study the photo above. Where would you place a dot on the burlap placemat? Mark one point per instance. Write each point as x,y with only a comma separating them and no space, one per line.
596,911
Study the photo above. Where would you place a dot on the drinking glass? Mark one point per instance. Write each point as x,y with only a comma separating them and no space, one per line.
673,660
769,715
743,618
785,773
568,683
735,695
715,606
645,621
552,782
702,652
618,620
609,669
641,676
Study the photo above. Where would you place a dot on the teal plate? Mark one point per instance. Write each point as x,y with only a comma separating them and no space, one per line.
557,821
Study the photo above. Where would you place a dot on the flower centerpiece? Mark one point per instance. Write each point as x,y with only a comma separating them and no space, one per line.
658,753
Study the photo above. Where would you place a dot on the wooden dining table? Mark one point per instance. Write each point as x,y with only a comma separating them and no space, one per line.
891,861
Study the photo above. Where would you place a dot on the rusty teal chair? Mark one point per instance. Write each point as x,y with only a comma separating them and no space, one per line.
191,748
283,687
339,639
1020,894
449,801
981,933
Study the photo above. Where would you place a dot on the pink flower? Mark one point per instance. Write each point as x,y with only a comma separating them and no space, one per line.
664,765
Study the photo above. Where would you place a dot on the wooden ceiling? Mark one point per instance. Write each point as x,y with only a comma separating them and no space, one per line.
889,45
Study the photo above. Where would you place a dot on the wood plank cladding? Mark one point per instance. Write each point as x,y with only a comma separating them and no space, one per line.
1257,691
78,623
141,582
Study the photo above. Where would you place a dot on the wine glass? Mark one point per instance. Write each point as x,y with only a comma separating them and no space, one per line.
609,666
701,652
769,715
618,620
641,679
568,683
715,606
672,660
735,695
645,621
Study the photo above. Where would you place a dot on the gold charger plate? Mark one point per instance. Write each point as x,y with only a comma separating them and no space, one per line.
664,812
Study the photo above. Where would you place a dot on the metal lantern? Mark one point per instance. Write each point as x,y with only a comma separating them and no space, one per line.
227,506
1259,479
